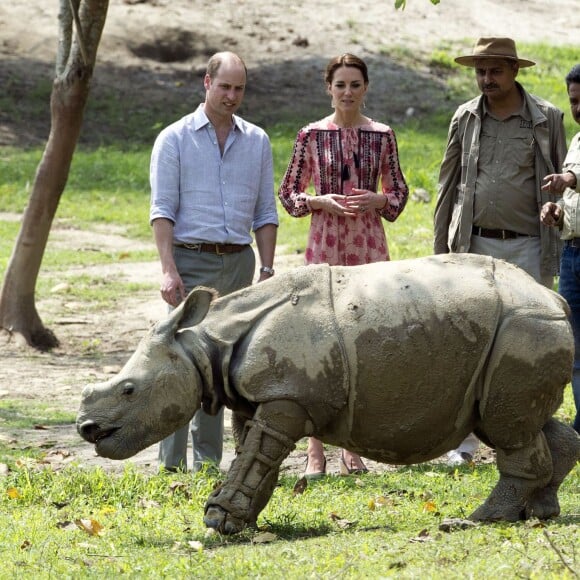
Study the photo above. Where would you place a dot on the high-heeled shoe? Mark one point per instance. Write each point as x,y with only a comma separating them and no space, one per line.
346,470
315,474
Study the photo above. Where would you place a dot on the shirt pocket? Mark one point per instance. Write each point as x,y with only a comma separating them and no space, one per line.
521,151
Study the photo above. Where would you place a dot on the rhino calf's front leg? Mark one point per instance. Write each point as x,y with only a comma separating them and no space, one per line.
268,439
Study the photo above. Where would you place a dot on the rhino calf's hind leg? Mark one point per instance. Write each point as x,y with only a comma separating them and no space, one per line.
564,444
523,472
267,441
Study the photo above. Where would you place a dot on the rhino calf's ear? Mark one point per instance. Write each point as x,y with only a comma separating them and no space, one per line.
189,313
194,308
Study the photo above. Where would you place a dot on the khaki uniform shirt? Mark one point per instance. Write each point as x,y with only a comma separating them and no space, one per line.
505,188
454,210
571,200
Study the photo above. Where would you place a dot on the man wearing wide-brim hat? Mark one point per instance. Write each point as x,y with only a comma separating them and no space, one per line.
500,147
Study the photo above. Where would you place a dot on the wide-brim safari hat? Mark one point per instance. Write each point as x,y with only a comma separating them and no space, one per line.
494,48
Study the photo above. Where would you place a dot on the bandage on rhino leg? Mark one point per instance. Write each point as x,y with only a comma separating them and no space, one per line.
251,479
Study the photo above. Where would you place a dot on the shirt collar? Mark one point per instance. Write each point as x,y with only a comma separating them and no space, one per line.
523,112
201,120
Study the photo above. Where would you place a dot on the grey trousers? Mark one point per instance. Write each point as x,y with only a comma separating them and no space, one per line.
523,252
226,273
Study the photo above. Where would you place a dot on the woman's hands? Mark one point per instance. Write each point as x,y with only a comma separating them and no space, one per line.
358,203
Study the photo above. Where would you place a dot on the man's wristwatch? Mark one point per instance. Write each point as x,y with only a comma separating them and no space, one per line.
267,270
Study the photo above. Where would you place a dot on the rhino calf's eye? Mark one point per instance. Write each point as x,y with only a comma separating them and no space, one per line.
128,390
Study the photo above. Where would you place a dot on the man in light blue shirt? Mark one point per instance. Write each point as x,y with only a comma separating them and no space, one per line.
212,184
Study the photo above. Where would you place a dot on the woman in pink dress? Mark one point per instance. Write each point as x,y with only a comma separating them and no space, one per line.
344,155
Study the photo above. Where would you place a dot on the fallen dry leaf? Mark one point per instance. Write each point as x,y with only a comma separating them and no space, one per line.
534,523
67,525
194,544
58,453
180,487
379,502
423,536
342,523
92,527
25,462
264,538
13,493
148,503
429,506
452,524
300,486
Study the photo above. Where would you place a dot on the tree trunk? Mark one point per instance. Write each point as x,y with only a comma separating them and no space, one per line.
75,64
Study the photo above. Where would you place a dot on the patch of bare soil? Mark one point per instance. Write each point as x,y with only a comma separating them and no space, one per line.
153,53
151,60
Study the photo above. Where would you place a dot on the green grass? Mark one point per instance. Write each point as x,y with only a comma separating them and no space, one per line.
379,525
152,525
27,414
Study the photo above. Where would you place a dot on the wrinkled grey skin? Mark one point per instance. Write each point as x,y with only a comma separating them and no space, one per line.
397,361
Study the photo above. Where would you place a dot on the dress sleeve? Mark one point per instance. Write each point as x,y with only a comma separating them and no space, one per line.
297,178
393,181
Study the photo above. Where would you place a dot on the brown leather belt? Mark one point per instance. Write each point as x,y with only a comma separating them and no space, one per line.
497,234
213,248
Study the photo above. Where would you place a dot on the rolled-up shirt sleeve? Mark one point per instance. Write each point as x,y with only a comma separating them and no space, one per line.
164,177
266,212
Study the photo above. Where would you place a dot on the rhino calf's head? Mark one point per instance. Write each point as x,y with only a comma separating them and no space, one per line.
157,391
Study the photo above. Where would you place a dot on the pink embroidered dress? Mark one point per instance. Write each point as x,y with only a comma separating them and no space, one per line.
337,160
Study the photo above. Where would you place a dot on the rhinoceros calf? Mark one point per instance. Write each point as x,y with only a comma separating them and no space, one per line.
397,361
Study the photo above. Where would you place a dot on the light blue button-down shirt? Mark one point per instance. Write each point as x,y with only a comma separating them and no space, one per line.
211,197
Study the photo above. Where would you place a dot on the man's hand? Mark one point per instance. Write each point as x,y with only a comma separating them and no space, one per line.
172,289
551,214
558,182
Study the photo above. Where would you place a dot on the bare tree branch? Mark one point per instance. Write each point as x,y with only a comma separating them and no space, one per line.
74,6
559,554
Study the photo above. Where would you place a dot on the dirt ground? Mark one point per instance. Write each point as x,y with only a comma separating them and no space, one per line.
153,52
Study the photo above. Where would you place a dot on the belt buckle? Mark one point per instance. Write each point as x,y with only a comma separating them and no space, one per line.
504,235
217,250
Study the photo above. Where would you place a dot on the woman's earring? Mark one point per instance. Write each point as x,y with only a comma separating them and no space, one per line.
364,104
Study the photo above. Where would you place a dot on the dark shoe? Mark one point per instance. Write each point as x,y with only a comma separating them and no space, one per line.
346,470
315,474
